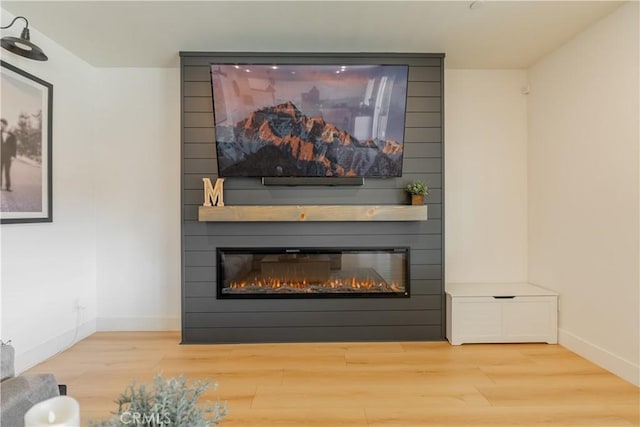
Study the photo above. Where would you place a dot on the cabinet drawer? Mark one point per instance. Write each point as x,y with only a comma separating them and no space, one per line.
478,317
530,319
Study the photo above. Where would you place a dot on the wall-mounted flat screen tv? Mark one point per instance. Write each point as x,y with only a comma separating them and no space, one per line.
309,120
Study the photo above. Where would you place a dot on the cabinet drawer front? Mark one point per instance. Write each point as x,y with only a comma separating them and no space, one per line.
479,317
530,319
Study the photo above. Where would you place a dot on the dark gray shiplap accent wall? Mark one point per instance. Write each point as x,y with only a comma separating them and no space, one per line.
206,319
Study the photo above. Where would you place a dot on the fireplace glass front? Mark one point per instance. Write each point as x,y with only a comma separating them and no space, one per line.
312,272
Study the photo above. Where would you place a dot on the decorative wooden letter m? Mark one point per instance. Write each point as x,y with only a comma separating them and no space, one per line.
213,194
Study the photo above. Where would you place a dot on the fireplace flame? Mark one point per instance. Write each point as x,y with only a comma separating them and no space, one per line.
303,286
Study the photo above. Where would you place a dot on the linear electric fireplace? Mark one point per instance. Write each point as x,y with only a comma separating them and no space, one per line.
312,272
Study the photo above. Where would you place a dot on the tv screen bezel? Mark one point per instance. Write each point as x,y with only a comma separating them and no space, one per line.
335,64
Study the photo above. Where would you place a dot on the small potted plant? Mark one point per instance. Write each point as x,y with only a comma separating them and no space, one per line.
418,190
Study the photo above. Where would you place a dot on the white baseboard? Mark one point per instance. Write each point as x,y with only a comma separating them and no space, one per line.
111,324
621,367
44,351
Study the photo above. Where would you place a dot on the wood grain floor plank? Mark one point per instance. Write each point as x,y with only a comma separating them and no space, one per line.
560,393
314,417
355,396
443,416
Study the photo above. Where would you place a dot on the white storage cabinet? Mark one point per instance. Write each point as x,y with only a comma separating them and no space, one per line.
501,313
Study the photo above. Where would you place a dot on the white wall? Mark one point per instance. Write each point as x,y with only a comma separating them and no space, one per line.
46,267
583,189
138,213
485,176
114,244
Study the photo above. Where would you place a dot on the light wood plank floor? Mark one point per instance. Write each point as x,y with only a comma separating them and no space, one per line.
358,384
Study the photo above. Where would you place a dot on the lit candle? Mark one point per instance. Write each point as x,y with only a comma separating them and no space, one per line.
61,411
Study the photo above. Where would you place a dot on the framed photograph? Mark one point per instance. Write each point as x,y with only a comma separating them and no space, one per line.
25,159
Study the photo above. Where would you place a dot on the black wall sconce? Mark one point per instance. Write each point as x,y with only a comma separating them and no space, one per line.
22,45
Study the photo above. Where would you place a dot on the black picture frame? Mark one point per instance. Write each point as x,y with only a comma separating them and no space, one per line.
27,109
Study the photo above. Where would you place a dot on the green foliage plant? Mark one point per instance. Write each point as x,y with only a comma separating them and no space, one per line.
417,187
168,402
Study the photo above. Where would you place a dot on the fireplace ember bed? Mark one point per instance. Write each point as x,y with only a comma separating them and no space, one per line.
312,272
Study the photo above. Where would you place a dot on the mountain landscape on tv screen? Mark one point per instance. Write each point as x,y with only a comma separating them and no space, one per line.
281,141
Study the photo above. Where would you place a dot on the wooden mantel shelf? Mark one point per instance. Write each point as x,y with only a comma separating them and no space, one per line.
292,213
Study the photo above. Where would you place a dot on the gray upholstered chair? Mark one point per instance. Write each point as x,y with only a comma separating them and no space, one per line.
18,394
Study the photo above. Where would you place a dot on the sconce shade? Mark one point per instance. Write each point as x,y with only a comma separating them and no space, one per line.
22,45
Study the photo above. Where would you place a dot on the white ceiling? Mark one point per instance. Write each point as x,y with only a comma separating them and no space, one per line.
494,34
